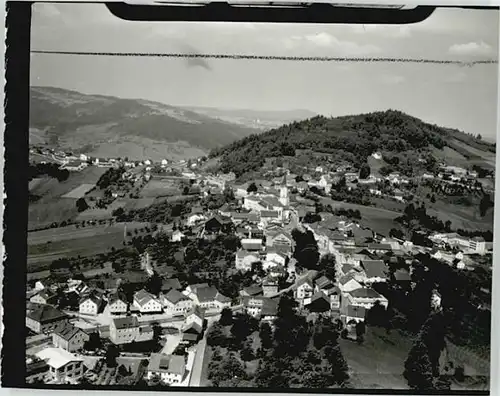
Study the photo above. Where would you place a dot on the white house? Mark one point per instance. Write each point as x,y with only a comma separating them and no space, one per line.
478,245
177,236
147,303
90,305
117,304
305,289
347,284
176,303
245,259
365,297
64,367
169,369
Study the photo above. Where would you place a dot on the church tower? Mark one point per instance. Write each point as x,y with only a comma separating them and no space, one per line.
284,196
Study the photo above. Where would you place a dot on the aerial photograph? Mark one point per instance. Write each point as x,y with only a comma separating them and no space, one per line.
314,213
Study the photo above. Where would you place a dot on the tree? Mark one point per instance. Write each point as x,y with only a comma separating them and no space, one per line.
94,342
338,365
112,352
247,352
226,317
360,332
215,335
266,335
81,204
418,368
326,266
154,284
377,315
485,204
364,172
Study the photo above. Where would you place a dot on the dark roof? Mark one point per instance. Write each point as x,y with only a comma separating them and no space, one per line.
402,275
346,278
269,307
174,296
365,293
93,297
346,268
374,268
252,290
45,314
379,246
356,312
117,297
68,332
193,328
190,337
126,322
252,245
198,311
174,364
172,283
269,213
206,293
323,282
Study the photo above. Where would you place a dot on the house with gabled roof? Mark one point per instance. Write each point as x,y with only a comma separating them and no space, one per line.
176,303
347,283
46,319
305,288
324,285
207,297
353,314
91,304
251,291
365,297
375,270
145,302
70,338
169,284
279,237
171,369
252,245
217,224
318,302
245,259
45,296
64,366
117,304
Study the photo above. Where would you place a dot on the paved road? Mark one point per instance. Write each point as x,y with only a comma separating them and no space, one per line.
198,363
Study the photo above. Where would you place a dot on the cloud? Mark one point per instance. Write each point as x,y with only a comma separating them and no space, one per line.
325,40
472,48
388,31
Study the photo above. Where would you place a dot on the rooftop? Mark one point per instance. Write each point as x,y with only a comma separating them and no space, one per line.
365,293
172,364
46,313
57,357
68,332
126,322
174,296
374,268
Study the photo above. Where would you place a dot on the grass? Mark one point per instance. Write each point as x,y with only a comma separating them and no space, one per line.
100,214
385,365
378,219
42,214
48,245
79,191
158,188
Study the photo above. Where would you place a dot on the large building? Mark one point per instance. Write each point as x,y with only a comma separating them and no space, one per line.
170,369
64,367
46,319
70,338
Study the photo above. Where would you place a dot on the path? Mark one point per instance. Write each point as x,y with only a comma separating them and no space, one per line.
198,363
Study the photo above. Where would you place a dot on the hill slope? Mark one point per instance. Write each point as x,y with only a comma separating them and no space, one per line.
260,119
404,141
98,123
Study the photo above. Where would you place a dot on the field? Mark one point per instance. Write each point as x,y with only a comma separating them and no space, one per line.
377,219
139,203
48,245
79,192
160,188
474,153
100,214
384,368
52,207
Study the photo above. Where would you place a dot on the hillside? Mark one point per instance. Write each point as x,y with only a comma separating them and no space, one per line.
108,125
259,119
406,143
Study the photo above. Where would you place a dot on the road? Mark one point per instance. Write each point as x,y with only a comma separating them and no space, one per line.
198,363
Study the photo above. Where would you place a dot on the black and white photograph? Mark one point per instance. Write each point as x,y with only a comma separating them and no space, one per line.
263,206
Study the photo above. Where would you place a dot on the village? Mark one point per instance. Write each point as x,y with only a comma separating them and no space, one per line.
264,216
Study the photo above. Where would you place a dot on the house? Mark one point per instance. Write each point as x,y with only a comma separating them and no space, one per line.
269,287
194,322
354,314
273,255
176,303
146,303
335,299
379,248
146,333
117,304
347,283
280,237
123,330
74,166
375,270
251,245
318,302
245,259
70,338
251,291
478,245
218,224
90,305
44,297
402,276
77,286
169,284
42,284
365,297
36,371
46,319
207,297
169,368
304,289
261,307
64,367
269,310
177,236
324,285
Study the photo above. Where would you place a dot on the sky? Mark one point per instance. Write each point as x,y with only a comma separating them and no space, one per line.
449,95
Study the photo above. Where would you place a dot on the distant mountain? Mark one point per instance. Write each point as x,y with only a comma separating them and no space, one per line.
136,128
406,142
260,119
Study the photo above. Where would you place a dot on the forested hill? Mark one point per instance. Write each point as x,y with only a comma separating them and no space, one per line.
349,138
